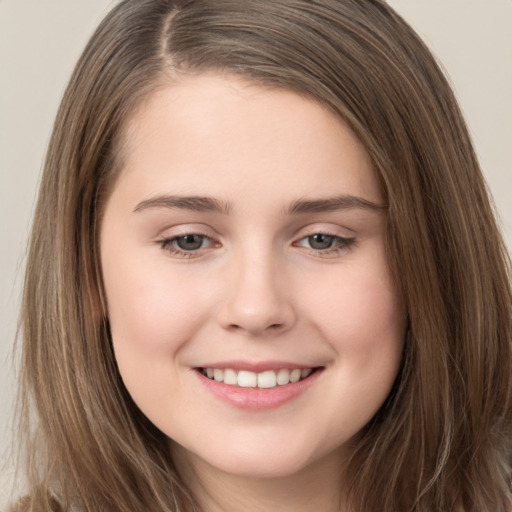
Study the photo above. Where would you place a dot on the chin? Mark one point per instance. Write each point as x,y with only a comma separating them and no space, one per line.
261,461
256,468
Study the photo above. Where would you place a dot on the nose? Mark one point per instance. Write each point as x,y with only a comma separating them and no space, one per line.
257,300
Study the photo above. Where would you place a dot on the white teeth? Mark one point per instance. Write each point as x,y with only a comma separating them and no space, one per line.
230,377
283,376
265,380
295,375
247,379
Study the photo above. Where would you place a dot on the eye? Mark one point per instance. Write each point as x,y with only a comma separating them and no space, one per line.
190,242
188,245
325,242
320,241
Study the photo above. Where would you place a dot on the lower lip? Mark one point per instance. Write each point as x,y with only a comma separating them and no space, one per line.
258,399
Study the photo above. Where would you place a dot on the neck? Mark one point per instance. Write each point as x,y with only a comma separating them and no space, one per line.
315,487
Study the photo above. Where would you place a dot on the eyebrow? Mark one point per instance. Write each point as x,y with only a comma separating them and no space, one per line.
194,203
330,204
210,204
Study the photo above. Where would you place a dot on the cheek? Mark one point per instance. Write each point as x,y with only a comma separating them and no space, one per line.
364,323
151,313
362,318
360,302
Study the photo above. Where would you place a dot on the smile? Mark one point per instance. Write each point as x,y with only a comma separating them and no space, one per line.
258,388
265,380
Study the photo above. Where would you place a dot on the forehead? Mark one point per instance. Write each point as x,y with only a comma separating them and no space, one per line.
212,128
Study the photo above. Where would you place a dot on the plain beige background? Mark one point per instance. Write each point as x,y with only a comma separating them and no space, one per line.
40,41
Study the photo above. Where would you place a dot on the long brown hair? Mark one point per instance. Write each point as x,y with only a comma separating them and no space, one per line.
443,439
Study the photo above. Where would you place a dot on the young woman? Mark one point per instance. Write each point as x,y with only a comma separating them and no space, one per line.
264,273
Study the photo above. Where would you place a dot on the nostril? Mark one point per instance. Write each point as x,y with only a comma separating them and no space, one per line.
268,327
255,314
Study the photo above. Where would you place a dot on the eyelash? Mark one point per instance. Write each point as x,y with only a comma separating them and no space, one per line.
170,245
339,244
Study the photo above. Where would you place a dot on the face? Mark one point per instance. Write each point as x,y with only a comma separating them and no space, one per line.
253,314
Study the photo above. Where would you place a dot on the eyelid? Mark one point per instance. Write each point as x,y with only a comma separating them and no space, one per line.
342,243
166,241
326,228
343,239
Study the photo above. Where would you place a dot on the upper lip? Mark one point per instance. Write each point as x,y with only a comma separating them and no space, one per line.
256,367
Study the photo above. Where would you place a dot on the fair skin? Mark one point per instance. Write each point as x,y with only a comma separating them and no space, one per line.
244,239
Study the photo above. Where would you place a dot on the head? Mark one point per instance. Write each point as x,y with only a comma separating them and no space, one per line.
360,62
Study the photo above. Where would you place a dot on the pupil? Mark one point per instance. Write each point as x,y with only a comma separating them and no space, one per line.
189,242
320,241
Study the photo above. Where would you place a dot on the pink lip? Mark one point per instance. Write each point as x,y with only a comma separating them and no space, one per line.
256,367
255,399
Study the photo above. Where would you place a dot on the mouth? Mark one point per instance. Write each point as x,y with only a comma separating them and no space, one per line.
268,379
258,386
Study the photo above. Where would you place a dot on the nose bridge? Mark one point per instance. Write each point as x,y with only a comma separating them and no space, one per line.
256,300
